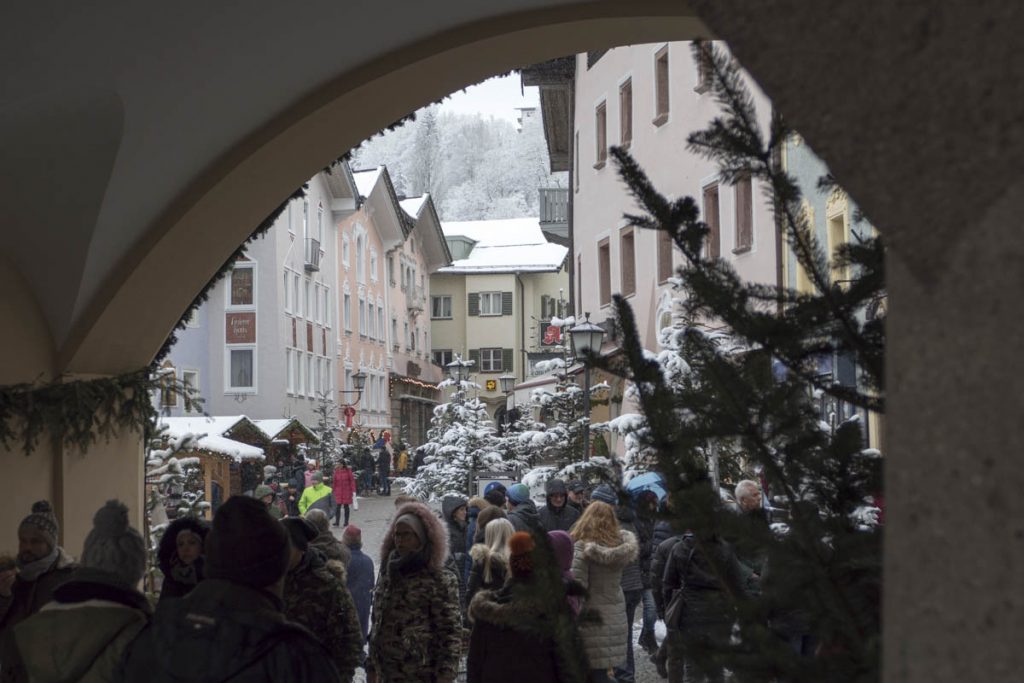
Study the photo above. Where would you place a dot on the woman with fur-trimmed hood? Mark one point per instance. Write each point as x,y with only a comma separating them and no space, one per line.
523,631
602,549
416,627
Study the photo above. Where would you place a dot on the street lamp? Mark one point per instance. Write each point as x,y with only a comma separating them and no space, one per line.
508,383
359,381
586,338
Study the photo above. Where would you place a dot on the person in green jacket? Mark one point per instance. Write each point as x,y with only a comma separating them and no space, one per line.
83,634
318,496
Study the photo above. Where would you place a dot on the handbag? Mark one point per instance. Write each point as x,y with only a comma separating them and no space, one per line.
355,502
676,609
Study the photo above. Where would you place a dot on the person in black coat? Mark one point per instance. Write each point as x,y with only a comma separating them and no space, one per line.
180,555
557,515
708,574
519,632
231,626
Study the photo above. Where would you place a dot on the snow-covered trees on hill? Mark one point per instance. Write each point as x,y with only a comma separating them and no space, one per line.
474,168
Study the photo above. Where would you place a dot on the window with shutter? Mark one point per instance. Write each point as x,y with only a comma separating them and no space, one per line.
474,358
627,263
744,215
506,303
506,360
711,217
474,303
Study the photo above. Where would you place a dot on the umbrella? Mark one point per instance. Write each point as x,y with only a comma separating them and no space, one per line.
651,481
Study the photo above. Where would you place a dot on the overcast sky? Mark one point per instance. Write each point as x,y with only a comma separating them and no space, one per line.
497,97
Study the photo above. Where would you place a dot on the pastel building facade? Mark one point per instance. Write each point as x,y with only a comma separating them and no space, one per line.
265,342
488,306
388,249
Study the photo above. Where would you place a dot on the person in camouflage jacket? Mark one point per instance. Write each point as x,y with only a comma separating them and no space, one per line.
416,629
316,596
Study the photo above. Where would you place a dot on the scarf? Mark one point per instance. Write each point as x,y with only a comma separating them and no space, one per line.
403,565
185,573
30,571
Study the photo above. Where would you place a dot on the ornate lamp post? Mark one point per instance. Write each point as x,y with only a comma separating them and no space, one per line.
586,338
508,383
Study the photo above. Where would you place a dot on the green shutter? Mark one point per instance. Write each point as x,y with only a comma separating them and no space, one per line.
474,355
506,303
474,303
506,360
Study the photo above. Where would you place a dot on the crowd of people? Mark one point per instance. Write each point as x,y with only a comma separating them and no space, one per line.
491,585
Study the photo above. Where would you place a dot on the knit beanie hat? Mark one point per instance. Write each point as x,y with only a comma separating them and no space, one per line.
577,486
605,494
318,477
494,486
415,523
352,535
520,558
301,531
114,546
43,519
262,491
246,545
518,493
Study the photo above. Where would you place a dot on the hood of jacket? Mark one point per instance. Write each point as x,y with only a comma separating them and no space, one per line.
437,535
450,504
169,541
618,556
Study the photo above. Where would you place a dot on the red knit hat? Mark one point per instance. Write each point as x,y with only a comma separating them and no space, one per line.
520,554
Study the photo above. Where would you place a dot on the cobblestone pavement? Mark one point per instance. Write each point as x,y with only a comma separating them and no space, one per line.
372,518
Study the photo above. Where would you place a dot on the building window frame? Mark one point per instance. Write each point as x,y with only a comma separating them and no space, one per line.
229,386
601,134
604,272
488,362
626,113
438,308
662,86
627,261
490,297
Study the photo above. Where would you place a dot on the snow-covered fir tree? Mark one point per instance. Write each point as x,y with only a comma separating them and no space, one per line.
462,439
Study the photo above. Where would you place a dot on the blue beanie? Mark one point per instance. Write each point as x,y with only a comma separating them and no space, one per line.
605,494
518,493
494,485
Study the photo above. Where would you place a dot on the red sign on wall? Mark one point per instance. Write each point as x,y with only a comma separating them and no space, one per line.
240,328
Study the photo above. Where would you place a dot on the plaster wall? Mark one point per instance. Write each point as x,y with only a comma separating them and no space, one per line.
601,198
450,334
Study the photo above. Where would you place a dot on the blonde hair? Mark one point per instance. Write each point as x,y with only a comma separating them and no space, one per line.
496,537
597,524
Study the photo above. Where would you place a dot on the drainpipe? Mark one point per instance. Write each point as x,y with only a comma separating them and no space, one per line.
522,332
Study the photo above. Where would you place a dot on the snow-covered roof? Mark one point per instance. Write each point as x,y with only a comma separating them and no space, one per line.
272,427
366,180
412,205
506,245
214,427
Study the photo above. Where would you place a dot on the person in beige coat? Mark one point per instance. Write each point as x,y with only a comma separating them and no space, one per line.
601,550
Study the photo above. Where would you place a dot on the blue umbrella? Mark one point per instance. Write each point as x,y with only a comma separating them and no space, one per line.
651,481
